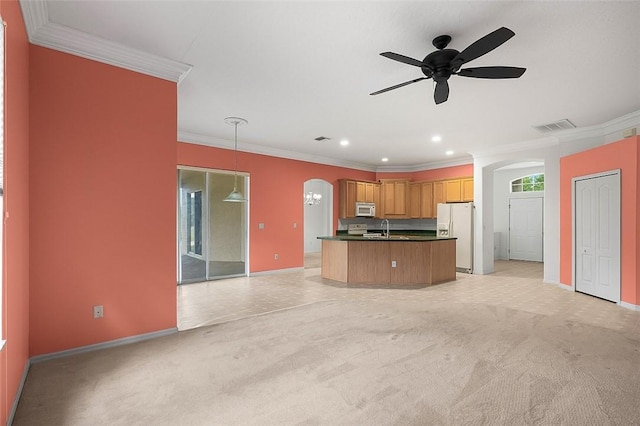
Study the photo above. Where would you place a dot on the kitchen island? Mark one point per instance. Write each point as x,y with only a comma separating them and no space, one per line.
399,259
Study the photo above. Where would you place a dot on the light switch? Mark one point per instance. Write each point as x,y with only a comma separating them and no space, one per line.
393,263
261,226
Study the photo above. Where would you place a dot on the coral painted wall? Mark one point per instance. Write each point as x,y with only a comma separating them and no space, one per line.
15,297
444,173
276,186
103,202
621,155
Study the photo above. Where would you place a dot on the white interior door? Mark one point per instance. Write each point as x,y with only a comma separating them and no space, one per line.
525,229
597,236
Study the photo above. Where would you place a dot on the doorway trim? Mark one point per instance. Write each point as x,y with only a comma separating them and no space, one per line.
245,190
613,172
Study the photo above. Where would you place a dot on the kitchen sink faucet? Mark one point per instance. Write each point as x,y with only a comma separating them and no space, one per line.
385,221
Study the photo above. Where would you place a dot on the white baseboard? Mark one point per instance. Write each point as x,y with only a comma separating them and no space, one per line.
565,287
629,306
277,271
18,394
104,345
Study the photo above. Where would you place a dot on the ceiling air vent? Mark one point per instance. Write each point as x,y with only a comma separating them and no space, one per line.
322,138
556,125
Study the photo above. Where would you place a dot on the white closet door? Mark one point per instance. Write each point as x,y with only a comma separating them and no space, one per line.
597,236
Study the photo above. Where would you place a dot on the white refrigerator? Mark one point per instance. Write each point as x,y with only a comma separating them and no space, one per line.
456,220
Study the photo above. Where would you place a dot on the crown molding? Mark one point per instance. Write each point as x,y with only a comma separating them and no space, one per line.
198,139
35,15
427,166
43,33
517,147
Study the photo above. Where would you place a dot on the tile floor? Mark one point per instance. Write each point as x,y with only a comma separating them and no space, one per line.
515,284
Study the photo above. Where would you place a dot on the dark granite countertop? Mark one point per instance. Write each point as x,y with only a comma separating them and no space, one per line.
392,237
417,232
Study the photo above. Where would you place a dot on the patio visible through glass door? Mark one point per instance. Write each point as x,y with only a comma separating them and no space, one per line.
212,234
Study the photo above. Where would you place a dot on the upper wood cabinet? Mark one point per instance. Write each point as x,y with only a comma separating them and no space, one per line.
352,192
467,189
439,196
366,192
347,198
395,198
453,191
458,190
415,200
401,199
421,200
426,200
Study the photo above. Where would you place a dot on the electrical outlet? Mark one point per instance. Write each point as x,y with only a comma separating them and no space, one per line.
275,256
98,311
393,263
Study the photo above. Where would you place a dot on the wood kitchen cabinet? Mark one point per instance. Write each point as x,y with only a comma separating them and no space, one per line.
458,190
426,200
395,198
415,199
352,192
367,192
467,189
421,200
439,196
453,191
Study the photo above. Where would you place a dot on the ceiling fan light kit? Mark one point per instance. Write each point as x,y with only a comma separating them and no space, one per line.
443,63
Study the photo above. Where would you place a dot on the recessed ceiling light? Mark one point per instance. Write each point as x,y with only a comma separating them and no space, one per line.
384,160
436,138
344,142
449,152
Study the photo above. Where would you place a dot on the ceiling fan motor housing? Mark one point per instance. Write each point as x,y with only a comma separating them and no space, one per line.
438,64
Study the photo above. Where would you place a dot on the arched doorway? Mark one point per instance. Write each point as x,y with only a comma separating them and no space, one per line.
318,219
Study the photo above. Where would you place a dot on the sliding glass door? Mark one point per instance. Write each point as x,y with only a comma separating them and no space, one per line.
212,233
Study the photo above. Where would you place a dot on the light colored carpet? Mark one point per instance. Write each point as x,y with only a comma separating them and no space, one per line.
353,362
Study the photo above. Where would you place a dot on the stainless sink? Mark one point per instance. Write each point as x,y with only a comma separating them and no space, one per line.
381,237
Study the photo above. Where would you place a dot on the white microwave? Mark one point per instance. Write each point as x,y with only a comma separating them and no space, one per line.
365,209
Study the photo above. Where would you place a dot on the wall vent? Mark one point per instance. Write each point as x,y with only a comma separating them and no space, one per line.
322,138
556,125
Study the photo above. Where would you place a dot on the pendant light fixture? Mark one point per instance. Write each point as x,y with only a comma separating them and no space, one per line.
235,196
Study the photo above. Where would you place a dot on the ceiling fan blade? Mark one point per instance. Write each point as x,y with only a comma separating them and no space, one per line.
482,46
492,72
441,93
398,85
403,59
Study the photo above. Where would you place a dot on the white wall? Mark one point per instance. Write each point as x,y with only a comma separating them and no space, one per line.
501,196
318,218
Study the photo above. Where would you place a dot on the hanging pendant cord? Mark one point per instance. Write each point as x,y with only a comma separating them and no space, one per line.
235,173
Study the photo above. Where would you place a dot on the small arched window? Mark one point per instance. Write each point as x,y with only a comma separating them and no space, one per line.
528,183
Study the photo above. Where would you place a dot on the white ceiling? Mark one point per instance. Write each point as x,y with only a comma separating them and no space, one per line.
297,70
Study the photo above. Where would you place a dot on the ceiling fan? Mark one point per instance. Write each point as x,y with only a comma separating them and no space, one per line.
443,63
